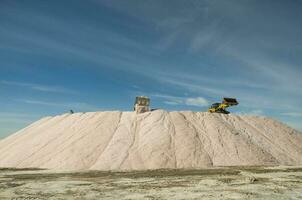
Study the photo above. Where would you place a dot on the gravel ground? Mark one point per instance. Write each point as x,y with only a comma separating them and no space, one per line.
218,183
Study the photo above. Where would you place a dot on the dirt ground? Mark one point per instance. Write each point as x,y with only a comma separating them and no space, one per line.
219,183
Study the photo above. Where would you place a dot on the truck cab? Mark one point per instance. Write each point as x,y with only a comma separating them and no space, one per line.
142,104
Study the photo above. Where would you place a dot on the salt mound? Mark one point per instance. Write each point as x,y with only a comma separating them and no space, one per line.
159,139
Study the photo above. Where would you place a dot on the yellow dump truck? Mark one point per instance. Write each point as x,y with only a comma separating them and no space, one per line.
221,107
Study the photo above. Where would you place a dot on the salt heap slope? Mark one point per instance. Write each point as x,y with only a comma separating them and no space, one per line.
159,139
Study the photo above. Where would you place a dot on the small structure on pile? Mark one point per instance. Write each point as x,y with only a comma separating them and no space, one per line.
142,104
221,107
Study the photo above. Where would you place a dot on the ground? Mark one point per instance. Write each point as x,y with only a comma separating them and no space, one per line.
219,183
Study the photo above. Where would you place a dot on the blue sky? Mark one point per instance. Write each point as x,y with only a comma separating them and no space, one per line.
185,54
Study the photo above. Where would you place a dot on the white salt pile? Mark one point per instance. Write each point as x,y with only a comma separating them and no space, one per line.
152,140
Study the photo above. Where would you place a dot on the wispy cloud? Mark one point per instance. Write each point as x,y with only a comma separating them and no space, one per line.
198,101
8,117
17,115
293,114
12,121
68,105
43,103
194,87
250,94
38,87
254,58
168,99
189,101
257,112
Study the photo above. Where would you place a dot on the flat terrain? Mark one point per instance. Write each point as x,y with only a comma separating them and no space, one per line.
217,183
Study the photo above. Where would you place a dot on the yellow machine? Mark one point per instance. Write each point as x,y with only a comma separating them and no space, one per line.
142,104
220,107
